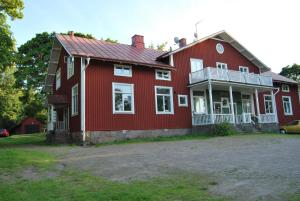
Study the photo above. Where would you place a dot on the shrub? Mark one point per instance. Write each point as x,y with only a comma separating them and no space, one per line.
223,129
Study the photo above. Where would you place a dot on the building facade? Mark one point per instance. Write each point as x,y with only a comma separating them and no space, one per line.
103,91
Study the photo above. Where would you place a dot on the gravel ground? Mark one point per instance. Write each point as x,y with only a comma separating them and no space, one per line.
252,167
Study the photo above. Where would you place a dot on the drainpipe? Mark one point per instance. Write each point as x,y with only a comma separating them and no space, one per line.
274,103
84,64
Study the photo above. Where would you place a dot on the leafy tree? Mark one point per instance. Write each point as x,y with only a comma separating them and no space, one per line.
10,105
111,40
160,47
89,36
12,8
292,72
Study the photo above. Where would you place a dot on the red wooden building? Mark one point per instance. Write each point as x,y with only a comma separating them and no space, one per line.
104,91
29,125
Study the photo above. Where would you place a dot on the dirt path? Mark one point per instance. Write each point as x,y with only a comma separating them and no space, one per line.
245,167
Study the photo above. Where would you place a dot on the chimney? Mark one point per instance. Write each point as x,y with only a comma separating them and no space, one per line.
71,33
182,42
138,41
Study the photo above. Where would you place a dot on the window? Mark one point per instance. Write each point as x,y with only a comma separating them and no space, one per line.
121,70
285,88
70,66
246,103
162,75
225,102
75,100
222,66
58,79
196,65
268,104
244,69
287,105
182,100
123,98
164,100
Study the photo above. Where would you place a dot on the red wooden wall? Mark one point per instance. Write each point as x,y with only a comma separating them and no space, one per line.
66,89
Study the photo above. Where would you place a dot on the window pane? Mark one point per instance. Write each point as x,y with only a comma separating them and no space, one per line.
167,104
182,100
196,65
122,88
160,104
127,102
163,91
159,74
118,102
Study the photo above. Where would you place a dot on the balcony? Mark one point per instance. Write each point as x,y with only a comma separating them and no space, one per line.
211,73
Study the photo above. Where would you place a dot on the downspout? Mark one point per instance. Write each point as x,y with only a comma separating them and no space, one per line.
84,64
274,103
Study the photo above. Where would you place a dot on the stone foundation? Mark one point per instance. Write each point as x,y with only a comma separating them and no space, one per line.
94,137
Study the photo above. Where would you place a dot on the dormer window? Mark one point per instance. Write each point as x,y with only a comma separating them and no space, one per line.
121,70
163,75
285,88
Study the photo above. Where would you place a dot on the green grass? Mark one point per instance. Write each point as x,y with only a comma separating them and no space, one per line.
72,186
28,139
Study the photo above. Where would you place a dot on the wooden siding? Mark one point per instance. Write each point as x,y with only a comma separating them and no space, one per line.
99,108
66,88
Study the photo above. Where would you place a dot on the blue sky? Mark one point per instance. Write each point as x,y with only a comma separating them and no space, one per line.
269,29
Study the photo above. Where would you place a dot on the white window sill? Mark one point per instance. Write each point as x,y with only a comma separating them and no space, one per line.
183,105
163,79
164,112
119,75
73,115
115,112
288,114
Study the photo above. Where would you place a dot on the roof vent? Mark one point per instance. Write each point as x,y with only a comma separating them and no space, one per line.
138,41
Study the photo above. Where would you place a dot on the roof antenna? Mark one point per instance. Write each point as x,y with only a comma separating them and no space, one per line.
196,26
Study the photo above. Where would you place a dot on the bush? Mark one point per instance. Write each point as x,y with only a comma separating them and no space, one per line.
223,129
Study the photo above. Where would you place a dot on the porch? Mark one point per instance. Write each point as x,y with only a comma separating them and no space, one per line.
214,102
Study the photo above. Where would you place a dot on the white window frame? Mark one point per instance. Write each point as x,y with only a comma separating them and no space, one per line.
132,97
271,101
74,106
290,102
244,67
283,89
222,64
122,66
171,99
195,59
186,104
225,98
162,71
58,78
70,67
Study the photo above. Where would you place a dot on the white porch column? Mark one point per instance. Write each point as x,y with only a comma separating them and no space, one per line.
231,103
257,104
82,98
211,103
274,106
192,105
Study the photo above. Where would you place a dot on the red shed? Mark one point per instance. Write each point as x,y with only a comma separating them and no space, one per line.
29,125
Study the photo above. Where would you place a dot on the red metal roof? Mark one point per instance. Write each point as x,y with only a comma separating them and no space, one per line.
99,49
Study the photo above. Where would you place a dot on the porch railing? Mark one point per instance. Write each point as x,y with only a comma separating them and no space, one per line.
219,118
212,73
58,125
267,118
243,118
205,119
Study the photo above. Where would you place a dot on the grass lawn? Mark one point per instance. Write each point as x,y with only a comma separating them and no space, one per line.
72,185
17,156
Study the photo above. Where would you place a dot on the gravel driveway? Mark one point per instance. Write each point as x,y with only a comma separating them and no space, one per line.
251,167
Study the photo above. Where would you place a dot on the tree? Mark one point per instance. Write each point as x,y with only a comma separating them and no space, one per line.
89,36
160,47
12,8
111,40
10,105
292,72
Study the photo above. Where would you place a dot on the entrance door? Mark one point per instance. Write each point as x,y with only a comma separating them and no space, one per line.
199,104
66,118
246,103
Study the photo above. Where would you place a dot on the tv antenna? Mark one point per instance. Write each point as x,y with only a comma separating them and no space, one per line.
196,26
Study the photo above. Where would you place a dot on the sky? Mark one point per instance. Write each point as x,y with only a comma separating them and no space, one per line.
268,29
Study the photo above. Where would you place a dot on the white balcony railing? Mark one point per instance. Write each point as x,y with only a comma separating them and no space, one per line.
58,125
267,118
211,73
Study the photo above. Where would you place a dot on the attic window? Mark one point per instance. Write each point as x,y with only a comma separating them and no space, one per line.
285,88
220,48
121,70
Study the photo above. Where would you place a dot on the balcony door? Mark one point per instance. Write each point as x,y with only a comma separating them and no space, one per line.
247,103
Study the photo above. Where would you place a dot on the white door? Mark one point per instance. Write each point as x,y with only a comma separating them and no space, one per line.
196,65
199,104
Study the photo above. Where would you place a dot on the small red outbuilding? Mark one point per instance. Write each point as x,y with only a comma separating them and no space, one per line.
29,125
